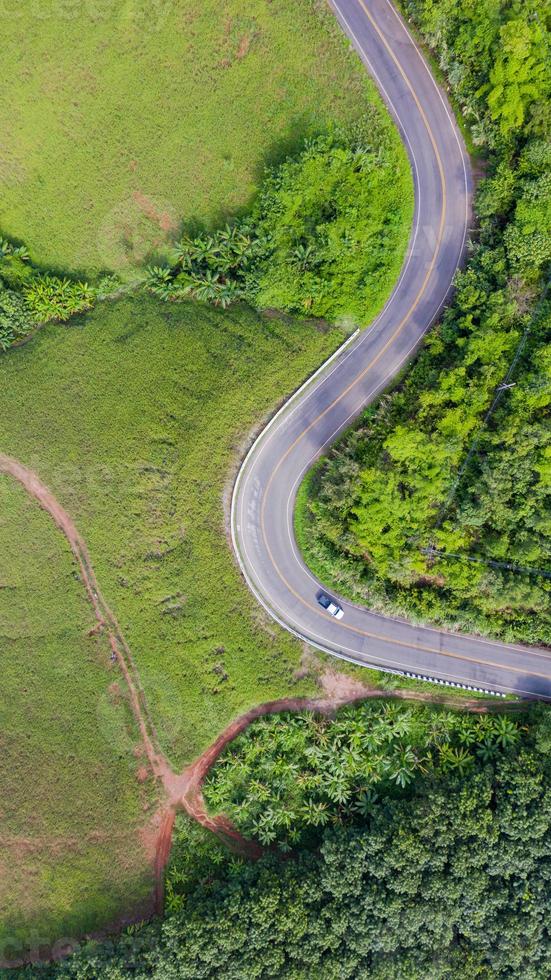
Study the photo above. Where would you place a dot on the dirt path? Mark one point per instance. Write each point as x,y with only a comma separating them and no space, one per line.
105,618
189,785
183,791
107,621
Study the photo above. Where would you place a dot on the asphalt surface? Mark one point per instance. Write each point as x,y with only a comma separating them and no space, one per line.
265,490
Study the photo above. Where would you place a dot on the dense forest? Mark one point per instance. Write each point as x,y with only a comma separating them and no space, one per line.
437,504
444,875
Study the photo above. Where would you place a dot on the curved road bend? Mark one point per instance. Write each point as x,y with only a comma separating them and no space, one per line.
265,490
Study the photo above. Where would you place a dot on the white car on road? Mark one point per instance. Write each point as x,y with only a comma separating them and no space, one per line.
330,605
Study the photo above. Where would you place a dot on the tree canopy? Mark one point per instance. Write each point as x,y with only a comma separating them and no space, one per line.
449,880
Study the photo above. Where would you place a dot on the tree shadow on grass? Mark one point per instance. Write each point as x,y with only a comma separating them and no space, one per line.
300,128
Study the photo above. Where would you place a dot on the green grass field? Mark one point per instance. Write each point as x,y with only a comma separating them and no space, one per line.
120,122
136,116
134,417
72,811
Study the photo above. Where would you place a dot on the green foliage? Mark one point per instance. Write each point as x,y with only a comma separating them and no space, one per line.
15,271
446,882
521,74
52,298
446,481
29,297
335,223
196,857
496,56
15,317
209,267
326,237
290,775
528,236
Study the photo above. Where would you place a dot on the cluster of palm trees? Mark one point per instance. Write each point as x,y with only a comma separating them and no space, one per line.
290,774
209,267
52,298
29,297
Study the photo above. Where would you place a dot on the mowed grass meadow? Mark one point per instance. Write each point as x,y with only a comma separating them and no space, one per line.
135,416
73,815
121,120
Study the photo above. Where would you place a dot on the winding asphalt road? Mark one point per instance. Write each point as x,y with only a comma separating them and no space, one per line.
265,489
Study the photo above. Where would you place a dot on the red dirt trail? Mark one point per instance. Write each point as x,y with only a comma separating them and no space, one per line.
184,790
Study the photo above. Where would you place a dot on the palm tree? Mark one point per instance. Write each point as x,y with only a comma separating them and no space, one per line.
338,791
487,750
206,249
158,280
230,292
373,739
314,814
228,233
452,758
402,767
207,286
194,251
467,734
374,768
264,831
303,257
403,725
182,253
285,817
365,803
505,731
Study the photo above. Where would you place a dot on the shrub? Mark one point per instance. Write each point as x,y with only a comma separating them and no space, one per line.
325,238
28,297
333,223
15,317
51,298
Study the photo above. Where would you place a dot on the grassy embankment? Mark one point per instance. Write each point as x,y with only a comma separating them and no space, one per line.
133,417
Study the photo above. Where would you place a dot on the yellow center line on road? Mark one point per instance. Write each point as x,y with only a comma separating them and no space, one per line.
310,605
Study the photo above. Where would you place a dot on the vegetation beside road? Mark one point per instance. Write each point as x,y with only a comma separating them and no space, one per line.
325,238
441,879
74,816
437,505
